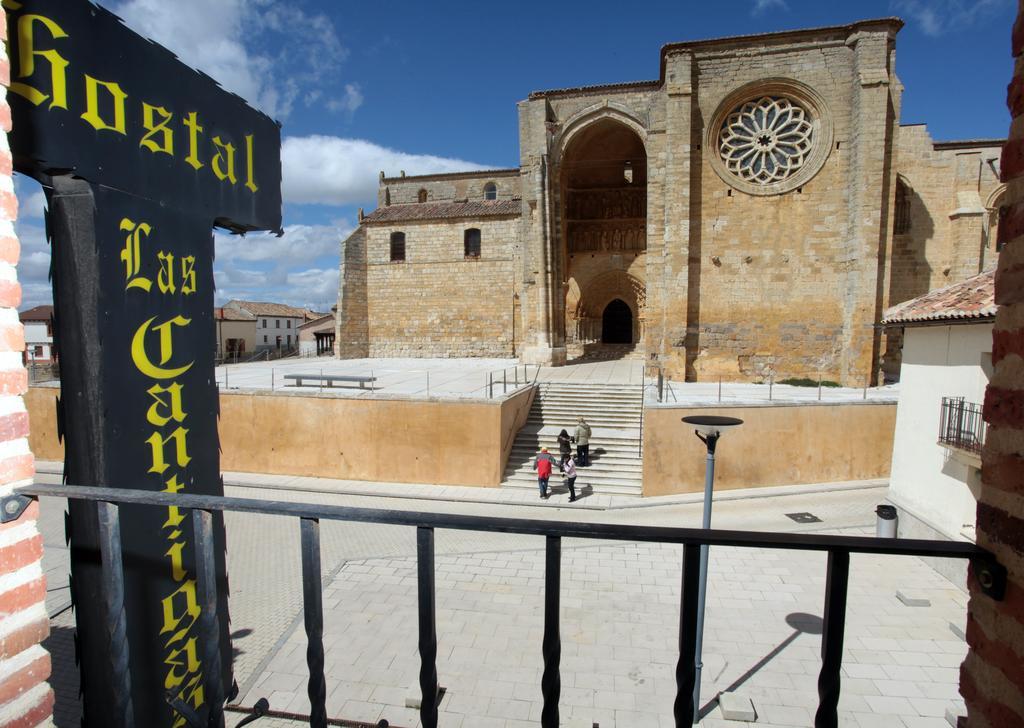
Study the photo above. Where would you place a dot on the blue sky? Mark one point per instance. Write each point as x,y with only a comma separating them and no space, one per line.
432,86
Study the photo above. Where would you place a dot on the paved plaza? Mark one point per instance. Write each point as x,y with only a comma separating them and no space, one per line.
489,378
619,613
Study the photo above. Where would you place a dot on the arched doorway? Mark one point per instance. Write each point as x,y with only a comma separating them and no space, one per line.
603,200
617,323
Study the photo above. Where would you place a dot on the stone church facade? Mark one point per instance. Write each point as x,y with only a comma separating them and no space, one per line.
749,214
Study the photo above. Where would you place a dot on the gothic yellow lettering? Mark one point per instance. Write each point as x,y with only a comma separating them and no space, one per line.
131,253
174,517
92,105
185,658
141,358
188,275
181,610
163,410
157,443
178,572
250,176
228,150
155,126
191,120
165,277
191,691
27,62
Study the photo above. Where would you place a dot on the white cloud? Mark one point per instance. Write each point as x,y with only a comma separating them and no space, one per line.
351,100
314,288
335,171
938,17
763,6
299,244
297,52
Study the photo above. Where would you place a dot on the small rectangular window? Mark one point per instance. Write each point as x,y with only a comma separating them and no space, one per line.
289,323
264,336
277,323
471,243
397,247
264,323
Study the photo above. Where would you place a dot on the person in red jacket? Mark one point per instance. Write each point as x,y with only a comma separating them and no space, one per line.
543,465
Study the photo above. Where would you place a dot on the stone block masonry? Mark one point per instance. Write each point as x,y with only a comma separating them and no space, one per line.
26,699
992,676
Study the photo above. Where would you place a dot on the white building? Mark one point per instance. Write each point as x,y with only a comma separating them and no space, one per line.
947,362
38,323
277,325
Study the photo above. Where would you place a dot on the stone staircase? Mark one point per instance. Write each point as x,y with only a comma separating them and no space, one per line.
613,412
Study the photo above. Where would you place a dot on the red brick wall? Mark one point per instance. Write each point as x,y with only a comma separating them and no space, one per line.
26,699
992,676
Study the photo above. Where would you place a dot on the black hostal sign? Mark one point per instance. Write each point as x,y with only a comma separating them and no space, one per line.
141,157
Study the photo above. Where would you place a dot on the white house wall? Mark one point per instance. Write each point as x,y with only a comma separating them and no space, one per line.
938,361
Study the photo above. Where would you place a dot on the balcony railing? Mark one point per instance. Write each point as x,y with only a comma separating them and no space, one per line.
961,425
990,575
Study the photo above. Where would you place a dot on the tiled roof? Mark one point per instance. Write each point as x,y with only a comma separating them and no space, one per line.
445,210
39,313
320,322
232,314
262,308
508,172
967,301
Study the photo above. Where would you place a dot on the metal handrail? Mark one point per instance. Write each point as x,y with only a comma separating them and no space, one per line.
991,577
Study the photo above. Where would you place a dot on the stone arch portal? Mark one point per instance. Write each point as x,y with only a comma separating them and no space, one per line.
603,232
617,323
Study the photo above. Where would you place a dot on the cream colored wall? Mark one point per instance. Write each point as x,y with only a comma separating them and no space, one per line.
399,440
938,361
245,330
776,445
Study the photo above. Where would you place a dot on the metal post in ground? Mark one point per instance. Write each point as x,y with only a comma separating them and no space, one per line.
719,387
321,381
661,383
865,392
771,384
271,379
819,386
225,376
504,381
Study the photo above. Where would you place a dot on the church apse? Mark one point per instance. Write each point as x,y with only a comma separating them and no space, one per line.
604,233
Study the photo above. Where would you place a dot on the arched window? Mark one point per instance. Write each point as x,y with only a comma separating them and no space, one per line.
471,243
397,247
490,191
901,216
421,196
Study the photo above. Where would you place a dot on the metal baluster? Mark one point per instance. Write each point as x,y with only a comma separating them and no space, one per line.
313,608
117,621
428,626
836,583
209,625
551,681
685,707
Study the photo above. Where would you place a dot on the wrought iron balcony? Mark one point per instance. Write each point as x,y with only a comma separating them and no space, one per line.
961,425
991,577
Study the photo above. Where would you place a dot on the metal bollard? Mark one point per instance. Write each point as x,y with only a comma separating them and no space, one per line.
885,525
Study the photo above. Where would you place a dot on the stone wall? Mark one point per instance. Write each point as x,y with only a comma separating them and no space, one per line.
992,676
448,187
437,302
25,697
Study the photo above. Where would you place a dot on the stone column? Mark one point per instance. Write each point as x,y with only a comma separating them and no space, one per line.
673,305
25,697
967,220
351,328
540,344
863,260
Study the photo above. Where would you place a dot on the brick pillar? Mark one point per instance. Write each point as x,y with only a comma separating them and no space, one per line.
26,699
992,676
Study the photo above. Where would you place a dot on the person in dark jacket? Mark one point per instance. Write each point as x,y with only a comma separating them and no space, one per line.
564,448
582,443
570,477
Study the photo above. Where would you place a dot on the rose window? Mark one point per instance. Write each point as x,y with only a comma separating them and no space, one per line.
766,140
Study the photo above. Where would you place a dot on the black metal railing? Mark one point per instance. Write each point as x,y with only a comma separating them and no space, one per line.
990,576
961,425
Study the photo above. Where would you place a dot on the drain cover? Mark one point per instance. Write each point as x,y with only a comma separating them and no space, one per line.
804,517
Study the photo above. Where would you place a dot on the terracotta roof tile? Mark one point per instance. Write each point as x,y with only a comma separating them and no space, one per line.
232,314
969,300
39,313
445,210
262,308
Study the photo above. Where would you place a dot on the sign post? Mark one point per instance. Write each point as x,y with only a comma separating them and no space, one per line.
140,157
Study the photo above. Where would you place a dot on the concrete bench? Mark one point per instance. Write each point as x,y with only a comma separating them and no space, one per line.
330,379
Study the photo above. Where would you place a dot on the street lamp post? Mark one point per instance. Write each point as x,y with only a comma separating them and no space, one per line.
708,428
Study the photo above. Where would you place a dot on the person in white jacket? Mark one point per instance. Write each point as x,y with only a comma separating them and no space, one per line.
569,472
